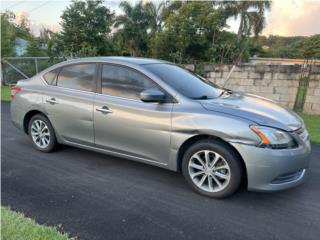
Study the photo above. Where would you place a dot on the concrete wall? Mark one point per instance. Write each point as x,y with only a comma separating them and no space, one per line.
312,101
277,82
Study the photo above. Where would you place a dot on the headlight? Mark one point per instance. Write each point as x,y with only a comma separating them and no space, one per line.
273,138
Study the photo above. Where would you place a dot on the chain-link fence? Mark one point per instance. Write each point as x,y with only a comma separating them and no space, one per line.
14,69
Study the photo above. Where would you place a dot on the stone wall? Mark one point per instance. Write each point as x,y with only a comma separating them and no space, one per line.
312,101
277,82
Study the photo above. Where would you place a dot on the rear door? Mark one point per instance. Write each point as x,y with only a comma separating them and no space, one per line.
126,125
69,102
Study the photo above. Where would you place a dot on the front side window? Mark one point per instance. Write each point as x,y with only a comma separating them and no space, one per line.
124,82
77,76
185,82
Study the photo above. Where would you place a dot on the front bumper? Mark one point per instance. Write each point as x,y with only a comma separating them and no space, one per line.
273,170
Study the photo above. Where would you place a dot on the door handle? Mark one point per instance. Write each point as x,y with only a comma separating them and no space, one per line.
51,101
104,110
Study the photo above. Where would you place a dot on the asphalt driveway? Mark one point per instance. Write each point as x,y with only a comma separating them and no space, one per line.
95,196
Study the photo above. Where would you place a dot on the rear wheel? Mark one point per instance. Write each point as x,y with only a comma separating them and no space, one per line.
212,169
42,134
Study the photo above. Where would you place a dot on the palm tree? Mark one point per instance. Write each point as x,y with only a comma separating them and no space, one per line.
251,14
154,13
134,24
142,21
158,12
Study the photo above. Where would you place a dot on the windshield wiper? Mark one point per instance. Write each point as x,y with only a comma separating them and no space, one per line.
204,97
224,91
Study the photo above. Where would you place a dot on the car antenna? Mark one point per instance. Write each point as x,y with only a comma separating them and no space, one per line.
232,69
234,66
229,74
239,59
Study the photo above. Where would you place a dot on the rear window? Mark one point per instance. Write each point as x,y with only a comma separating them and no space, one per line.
51,77
77,76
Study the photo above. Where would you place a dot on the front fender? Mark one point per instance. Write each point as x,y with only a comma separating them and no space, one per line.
223,126
186,125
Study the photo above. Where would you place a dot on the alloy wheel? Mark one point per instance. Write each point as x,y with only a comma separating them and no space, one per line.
209,171
40,133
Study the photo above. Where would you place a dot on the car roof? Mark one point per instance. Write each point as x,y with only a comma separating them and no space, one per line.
128,60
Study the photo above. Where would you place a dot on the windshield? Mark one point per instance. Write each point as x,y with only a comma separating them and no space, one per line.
185,82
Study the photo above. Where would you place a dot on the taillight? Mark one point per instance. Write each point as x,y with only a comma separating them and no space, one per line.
15,90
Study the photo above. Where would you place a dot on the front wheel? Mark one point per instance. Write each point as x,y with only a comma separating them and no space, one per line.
212,168
42,134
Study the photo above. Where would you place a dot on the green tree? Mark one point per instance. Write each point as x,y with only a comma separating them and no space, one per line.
8,34
190,33
229,50
250,13
22,28
134,24
277,46
34,49
140,23
86,27
155,12
52,42
170,7
311,47
24,23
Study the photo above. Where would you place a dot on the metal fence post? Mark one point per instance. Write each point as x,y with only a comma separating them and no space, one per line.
36,64
2,79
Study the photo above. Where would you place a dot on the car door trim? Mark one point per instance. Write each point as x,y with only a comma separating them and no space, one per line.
114,153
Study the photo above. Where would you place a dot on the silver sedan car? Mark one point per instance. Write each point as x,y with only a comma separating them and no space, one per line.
158,113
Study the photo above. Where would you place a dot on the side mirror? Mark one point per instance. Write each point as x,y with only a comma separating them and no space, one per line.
152,95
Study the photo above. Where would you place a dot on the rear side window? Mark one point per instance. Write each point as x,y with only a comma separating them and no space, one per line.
51,77
124,82
77,76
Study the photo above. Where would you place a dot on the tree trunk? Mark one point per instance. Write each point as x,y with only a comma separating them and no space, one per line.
240,30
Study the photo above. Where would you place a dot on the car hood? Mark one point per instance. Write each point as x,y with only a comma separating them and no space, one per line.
257,109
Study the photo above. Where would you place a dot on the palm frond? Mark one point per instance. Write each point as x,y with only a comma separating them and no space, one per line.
126,7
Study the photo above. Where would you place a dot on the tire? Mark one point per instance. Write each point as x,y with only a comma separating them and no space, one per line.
226,170
39,123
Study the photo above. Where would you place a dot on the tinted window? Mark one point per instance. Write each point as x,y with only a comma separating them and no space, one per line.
185,82
50,77
80,77
124,82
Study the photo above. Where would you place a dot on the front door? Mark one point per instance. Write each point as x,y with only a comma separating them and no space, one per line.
126,125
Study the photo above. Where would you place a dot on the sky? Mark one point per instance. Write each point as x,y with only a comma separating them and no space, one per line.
286,17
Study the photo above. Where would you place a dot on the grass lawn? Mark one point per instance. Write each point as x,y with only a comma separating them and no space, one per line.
15,226
312,121
5,93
